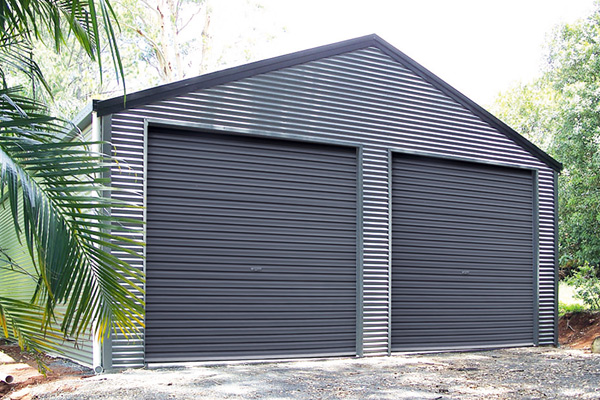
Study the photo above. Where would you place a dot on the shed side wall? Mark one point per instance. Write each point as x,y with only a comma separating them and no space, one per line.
363,96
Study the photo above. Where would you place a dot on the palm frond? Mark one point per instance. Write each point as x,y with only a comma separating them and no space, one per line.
67,224
88,21
7,263
16,55
21,321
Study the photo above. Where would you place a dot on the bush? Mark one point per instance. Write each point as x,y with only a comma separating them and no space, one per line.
564,308
587,285
567,268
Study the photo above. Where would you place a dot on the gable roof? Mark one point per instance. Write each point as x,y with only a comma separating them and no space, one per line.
174,89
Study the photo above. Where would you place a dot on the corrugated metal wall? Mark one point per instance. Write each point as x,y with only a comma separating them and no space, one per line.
463,264
362,96
18,285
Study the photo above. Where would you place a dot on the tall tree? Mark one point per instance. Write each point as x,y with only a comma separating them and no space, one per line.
177,37
51,181
197,39
175,34
561,112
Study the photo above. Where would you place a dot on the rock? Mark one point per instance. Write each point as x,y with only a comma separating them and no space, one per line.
596,345
5,358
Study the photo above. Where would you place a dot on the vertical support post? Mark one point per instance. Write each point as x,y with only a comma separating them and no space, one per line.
359,254
536,258
96,341
145,217
389,297
556,261
106,137
101,132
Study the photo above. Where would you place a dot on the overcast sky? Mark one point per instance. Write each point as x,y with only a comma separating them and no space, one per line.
480,47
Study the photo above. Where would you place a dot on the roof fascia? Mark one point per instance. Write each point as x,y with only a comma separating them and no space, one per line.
163,92
84,118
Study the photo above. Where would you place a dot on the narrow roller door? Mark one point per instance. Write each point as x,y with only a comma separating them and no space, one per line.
251,248
462,255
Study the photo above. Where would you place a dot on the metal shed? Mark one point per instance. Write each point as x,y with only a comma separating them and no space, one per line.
337,201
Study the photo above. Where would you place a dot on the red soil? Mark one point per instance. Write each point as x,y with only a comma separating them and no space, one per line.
29,375
578,330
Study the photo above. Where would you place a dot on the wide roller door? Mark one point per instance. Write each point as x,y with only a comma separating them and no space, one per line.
251,248
463,260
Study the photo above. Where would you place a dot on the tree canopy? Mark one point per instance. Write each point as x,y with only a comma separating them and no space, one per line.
560,112
160,41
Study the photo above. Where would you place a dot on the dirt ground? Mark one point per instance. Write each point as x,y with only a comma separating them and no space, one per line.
576,331
505,374
26,372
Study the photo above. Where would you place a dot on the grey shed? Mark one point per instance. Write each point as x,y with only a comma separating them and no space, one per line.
338,201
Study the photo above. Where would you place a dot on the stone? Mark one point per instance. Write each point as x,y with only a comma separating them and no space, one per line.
5,358
596,345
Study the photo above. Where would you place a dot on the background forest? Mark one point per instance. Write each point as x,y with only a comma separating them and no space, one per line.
48,71
560,112
162,41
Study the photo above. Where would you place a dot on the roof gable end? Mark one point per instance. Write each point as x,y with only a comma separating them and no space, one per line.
260,67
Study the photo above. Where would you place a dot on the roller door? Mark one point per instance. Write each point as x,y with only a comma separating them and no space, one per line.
251,248
463,258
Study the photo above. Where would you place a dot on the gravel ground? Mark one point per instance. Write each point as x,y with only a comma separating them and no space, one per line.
525,373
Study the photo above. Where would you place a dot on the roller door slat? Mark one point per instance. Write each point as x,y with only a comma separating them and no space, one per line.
251,248
462,255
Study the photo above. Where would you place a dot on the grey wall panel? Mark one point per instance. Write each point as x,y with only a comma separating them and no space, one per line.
251,248
127,137
463,259
362,96
548,258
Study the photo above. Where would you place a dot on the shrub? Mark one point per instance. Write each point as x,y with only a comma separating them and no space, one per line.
564,308
587,285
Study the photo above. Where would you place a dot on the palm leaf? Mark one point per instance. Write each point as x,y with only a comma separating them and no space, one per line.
87,21
67,224
21,321
16,55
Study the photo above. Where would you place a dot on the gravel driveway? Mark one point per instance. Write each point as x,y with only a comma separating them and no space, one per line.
525,373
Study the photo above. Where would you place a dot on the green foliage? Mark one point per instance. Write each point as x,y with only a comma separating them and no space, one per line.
23,22
65,223
531,110
586,282
564,308
560,112
575,73
51,186
159,41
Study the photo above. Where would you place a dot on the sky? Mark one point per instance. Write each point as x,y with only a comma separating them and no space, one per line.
480,47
